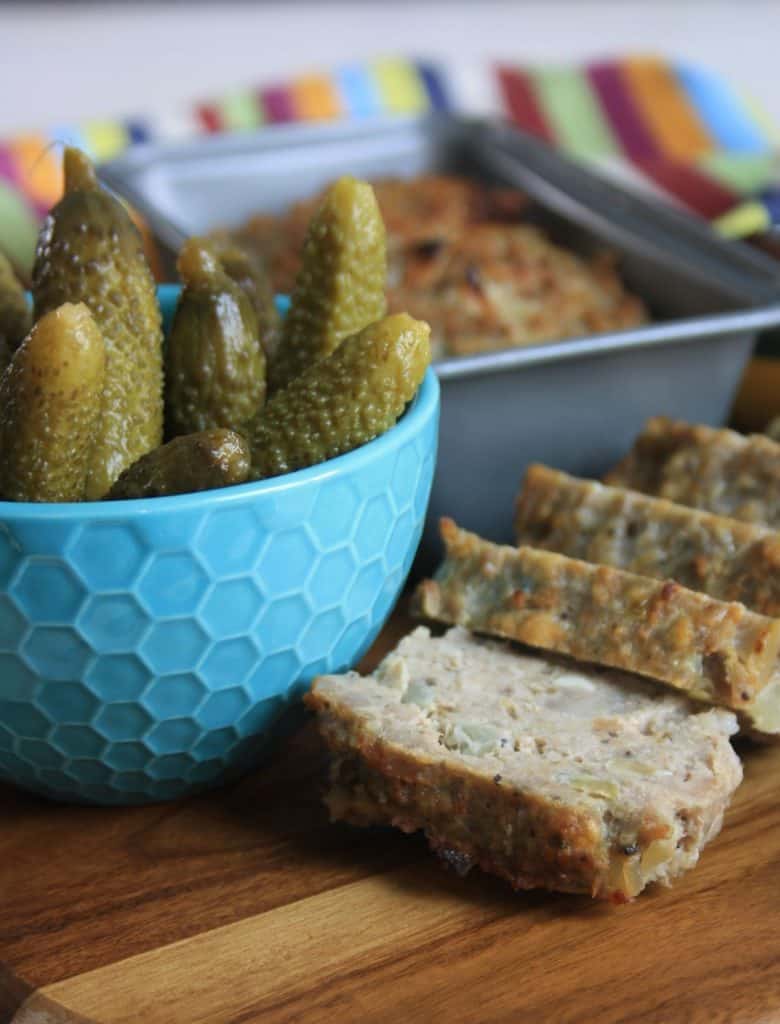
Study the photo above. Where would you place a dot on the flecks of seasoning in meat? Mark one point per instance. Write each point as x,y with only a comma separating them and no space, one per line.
699,566
500,204
714,667
496,778
630,849
473,278
681,633
459,862
429,249
657,605
669,589
489,569
511,709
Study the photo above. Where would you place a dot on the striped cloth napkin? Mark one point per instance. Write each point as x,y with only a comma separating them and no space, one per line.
678,130
674,128
30,164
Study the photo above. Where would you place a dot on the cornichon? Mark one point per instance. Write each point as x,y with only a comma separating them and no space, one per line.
246,269
340,288
215,364
15,319
343,401
89,251
193,462
50,407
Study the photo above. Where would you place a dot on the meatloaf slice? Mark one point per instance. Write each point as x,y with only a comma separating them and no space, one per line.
725,558
717,470
542,771
716,651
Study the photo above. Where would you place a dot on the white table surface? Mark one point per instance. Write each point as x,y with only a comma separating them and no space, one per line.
61,62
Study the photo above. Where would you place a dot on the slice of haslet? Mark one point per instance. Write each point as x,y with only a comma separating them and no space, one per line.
725,558
715,651
717,470
543,772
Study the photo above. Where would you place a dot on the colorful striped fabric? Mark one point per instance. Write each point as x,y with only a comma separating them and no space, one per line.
683,128
30,172
680,129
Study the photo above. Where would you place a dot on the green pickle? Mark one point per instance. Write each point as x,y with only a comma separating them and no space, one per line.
192,462
345,400
246,269
340,288
15,318
215,363
50,408
90,251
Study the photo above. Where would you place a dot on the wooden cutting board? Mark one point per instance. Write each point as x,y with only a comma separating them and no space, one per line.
246,905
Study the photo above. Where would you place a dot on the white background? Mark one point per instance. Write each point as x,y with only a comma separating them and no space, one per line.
61,62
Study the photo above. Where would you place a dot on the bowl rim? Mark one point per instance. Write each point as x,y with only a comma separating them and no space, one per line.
419,411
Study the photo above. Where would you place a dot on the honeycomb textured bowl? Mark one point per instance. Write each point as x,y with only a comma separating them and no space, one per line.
149,649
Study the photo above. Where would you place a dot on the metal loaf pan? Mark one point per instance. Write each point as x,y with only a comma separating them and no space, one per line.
575,404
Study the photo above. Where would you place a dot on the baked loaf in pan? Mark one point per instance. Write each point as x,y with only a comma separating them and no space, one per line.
717,470
502,286
543,772
725,558
466,257
715,651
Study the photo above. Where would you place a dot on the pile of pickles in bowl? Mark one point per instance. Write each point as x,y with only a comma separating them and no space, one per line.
193,526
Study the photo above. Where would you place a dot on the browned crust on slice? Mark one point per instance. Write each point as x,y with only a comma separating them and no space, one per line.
642,468
716,651
725,558
716,470
511,762
462,812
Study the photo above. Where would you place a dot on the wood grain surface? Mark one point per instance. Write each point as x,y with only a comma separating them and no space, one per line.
246,905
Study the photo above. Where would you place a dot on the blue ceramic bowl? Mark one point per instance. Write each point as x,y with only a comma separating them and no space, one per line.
151,648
